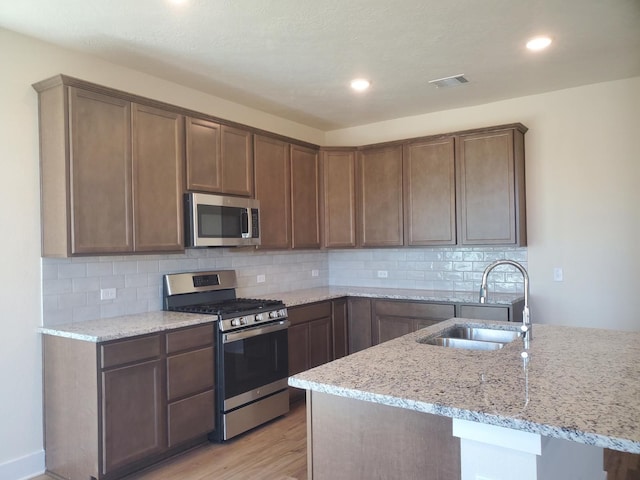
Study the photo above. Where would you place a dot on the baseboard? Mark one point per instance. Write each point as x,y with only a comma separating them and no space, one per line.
23,468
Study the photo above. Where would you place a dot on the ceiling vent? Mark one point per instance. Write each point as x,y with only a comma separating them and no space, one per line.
449,81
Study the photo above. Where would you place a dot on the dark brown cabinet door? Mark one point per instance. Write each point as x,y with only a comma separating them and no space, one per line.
305,222
133,414
100,168
298,348
320,342
490,182
237,161
204,166
339,199
298,355
360,324
272,189
394,318
429,193
388,328
158,162
339,327
380,197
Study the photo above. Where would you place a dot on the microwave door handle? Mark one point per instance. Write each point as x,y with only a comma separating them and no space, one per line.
244,223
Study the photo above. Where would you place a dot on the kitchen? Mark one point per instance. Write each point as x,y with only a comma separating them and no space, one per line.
581,197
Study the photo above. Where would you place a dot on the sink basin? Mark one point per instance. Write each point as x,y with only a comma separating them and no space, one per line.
464,343
472,338
481,334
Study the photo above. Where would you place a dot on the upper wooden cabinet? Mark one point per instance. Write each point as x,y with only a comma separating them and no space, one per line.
111,174
305,221
429,192
286,184
273,190
491,187
219,158
99,208
379,196
204,167
158,163
338,198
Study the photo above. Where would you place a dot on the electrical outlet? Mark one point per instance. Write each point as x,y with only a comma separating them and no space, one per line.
261,279
315,273
383,274
107,294
558,275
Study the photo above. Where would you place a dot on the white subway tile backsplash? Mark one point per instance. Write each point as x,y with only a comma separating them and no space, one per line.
71,287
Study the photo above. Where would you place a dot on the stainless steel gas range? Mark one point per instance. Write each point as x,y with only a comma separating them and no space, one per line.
251,348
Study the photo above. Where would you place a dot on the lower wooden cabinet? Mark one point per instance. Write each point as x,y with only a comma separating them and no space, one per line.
133,414
310,339
115,407
394,318
339,318
359,320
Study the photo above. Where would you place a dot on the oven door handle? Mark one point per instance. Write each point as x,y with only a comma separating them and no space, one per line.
254,331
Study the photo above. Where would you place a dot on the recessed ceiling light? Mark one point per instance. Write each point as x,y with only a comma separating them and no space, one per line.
360,84
178,2
538,43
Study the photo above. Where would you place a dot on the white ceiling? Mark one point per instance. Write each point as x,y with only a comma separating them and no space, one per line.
295,58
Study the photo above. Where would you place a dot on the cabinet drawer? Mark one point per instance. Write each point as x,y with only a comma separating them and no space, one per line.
189,338
414,309
126,351
306,313
189,373
191,417
484,313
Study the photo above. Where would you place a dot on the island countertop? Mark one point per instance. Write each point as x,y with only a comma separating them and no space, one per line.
577,384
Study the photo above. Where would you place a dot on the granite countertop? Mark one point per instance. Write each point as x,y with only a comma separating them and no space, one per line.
126,326
299,297
578,384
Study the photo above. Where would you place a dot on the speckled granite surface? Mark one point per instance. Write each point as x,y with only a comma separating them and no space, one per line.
127,326
577,384
299,297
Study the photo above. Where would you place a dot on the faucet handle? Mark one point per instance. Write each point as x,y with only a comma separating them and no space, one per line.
483,293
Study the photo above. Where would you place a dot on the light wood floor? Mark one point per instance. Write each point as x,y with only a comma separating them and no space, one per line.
278,451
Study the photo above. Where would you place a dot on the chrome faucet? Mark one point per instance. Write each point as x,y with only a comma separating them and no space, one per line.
527,332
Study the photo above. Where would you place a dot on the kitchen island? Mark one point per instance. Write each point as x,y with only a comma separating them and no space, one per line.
398,408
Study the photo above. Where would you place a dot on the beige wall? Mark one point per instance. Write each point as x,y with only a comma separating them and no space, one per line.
583,194
582,178
26,61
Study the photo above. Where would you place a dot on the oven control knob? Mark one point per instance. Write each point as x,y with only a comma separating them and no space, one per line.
236,322
243,320
259,317
273,314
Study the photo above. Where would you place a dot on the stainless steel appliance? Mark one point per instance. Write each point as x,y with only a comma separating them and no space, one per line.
252,363
220,221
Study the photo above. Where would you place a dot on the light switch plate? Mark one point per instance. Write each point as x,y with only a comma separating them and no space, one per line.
107,294
558,274
383,274
261,279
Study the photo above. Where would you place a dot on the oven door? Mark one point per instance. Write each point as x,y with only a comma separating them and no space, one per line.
254,363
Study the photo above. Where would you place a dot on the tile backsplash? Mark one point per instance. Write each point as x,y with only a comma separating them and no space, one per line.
71,287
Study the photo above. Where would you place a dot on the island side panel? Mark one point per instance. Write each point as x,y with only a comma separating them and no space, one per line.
350,439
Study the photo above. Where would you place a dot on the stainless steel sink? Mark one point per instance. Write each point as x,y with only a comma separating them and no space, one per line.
471,338
482,334
463,343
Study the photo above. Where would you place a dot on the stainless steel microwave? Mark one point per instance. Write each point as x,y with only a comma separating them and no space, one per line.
221,221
